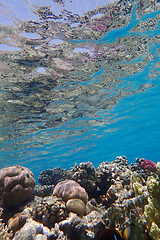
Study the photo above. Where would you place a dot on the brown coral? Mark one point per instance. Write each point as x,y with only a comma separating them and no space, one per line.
49,210
16,184
69,189
76,205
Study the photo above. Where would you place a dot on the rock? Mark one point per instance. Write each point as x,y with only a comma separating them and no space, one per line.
85,228
16,222
16,184
92,225
57,234
40,237
30,230
26,232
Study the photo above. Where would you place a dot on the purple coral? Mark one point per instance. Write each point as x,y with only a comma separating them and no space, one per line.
148,165
16,184
70,189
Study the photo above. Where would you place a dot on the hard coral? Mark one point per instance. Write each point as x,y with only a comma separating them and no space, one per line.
148,165
76,206
85,175
51,176
49,210
152,209
69,189
16,184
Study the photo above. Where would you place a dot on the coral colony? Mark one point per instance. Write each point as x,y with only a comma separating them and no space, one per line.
148,165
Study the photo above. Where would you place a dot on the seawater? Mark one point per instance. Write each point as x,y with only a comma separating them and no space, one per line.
93,100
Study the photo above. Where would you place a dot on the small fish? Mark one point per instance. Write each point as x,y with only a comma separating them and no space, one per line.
110,234
130,233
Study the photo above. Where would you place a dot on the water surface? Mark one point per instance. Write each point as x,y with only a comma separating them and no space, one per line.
79,82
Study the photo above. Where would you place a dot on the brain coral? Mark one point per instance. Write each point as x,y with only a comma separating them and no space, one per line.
16,184
70,189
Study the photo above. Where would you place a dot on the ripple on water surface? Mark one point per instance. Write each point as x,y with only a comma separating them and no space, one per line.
79,85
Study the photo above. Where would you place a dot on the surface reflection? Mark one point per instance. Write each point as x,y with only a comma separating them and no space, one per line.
69,69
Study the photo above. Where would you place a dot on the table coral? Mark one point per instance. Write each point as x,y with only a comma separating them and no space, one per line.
16,184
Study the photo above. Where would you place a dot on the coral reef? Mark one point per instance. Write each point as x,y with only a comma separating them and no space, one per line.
158,169
121,196
16,184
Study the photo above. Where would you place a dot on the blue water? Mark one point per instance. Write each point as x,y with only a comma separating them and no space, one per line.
129,125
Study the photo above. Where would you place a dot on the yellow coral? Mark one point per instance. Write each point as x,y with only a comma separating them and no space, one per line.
154,231
138,188
158,167
149,212
152,209
153,186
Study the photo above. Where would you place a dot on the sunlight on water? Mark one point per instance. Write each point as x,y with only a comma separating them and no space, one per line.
78,82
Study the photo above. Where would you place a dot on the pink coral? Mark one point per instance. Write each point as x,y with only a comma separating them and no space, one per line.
148,165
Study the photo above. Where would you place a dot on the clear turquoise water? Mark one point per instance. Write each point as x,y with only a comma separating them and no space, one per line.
91,130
